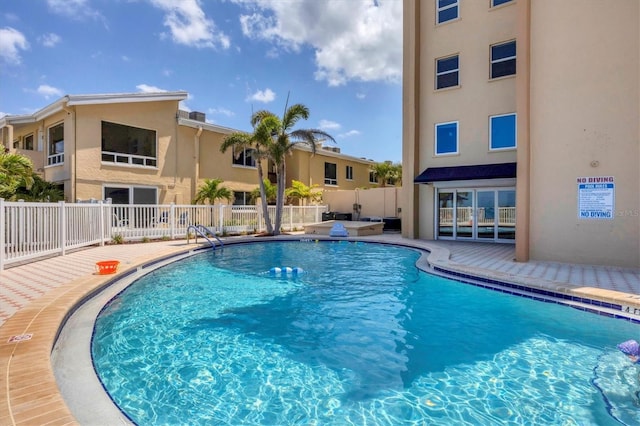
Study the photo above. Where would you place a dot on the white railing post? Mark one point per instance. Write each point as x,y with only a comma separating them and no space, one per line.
221,219
102,224
63,228
290,217
2,231
172,220
259,228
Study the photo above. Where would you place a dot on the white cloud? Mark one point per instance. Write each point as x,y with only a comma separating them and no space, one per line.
125,58
221,111
48,91
360,95
329,125
349,134
353,40
12,42
265,96
145,88
49,40
75,9
189,26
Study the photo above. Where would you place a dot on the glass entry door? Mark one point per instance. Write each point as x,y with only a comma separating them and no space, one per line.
476,214
486,215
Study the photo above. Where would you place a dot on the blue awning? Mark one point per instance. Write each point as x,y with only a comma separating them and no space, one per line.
480,171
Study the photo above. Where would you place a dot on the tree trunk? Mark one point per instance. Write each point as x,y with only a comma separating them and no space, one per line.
265,203
281,178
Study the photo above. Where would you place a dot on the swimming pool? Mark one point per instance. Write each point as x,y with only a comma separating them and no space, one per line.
361,336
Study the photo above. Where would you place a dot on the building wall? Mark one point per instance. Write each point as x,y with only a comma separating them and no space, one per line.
217,165
587,113
471,103
577,96
309,169
92,174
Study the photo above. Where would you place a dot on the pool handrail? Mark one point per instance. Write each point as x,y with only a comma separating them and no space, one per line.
203,231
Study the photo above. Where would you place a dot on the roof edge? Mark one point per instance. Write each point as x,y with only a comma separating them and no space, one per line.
111,98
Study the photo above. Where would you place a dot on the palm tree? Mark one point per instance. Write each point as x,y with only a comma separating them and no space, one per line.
269,192
211,191
387,172
15,170
40,190
257,141
303,192
283,139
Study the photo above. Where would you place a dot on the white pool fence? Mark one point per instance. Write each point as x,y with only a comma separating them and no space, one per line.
33,230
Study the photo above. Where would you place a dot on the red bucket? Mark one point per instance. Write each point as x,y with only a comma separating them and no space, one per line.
107,267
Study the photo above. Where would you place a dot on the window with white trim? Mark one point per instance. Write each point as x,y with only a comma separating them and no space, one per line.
330,174
241,198
502,131
447,72
349,172
503,59
245,158
131,194
495,3
55,144
372,177
446,138
128,145
446,10
28,142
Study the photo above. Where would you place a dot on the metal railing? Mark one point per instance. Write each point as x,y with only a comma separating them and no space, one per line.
33,230
464,215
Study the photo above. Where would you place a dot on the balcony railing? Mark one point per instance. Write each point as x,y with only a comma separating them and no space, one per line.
129,159
55,159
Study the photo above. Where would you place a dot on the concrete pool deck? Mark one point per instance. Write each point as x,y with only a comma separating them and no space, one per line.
35,298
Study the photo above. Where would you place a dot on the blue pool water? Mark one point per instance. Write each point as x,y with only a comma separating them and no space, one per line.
361,337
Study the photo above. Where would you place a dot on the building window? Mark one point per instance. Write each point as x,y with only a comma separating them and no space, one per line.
244,158
349,173
503,59
131,195
241,198
136,217
56,145
502,131
447,72
128,145
28,142
330,174
447,138
495,3
447,10
16,144
372,177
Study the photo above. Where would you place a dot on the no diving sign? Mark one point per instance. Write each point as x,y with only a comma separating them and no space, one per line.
596,197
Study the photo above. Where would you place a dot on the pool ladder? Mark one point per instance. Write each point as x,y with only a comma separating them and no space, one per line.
203,231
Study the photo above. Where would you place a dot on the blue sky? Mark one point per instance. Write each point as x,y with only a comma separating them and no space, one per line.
341,58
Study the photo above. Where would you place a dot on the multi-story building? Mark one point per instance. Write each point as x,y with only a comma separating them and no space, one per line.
140,148
521,124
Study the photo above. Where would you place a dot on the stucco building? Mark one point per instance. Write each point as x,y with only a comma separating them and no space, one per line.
520,124
140,148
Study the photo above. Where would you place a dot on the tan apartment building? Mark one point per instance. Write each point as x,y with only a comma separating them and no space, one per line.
140,148
521,124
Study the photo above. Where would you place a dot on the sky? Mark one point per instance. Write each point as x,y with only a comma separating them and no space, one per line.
340,58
